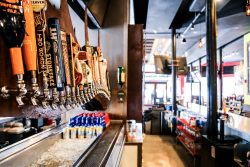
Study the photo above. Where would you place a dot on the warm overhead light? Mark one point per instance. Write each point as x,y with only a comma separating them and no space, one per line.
192,27
184,40
248,8
200,44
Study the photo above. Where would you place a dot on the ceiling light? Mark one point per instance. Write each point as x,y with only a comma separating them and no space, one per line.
184,40
200,44
192,27
248,8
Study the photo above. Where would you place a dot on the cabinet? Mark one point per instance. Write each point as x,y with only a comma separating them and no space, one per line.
189,136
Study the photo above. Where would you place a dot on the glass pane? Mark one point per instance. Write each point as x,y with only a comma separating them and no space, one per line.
149,94
160,93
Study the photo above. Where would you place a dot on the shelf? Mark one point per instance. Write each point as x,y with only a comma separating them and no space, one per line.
193,138
183,121
193,152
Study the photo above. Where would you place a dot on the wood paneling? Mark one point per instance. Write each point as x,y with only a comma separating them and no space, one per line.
135,58
114,47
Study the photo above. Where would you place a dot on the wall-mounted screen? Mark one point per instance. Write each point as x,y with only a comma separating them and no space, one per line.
163,65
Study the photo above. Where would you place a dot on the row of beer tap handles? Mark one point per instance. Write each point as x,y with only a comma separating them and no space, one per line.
53,60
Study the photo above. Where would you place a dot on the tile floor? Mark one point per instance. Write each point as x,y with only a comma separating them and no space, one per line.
163,151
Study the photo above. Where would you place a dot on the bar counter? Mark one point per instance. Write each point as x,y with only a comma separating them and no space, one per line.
104,150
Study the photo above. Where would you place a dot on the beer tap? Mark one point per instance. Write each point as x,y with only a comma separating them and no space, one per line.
69,103
21,89
88,57
46,92
58,59
90,91
98,57
68,79
78,96
96,84
62,98
12,28
35,89
80,74
43,62
71,53
86,93
29,49
55,98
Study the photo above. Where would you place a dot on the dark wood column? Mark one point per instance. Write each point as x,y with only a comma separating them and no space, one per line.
211,68
221,80
134,72
200,82
174,71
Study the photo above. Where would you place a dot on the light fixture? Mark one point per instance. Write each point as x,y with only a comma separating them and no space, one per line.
248,8
192,27
200,44
184,40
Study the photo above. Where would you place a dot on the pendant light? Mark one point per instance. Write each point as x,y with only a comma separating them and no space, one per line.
192,27
184,40
200,44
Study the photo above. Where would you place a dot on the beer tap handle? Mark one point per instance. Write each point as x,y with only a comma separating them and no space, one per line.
40,25
66,69
18,70
71,61
55,39
16,61
57,55
29,42
29,49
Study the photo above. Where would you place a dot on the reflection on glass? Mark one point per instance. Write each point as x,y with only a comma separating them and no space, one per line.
149,94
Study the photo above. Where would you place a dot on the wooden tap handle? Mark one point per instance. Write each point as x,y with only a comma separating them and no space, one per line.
71,59
86,25
16,61
29,42
65,58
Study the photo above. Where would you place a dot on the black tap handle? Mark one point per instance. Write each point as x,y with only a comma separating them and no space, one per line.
66,58
56,45
71,59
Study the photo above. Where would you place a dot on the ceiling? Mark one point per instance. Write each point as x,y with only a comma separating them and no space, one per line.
163,14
